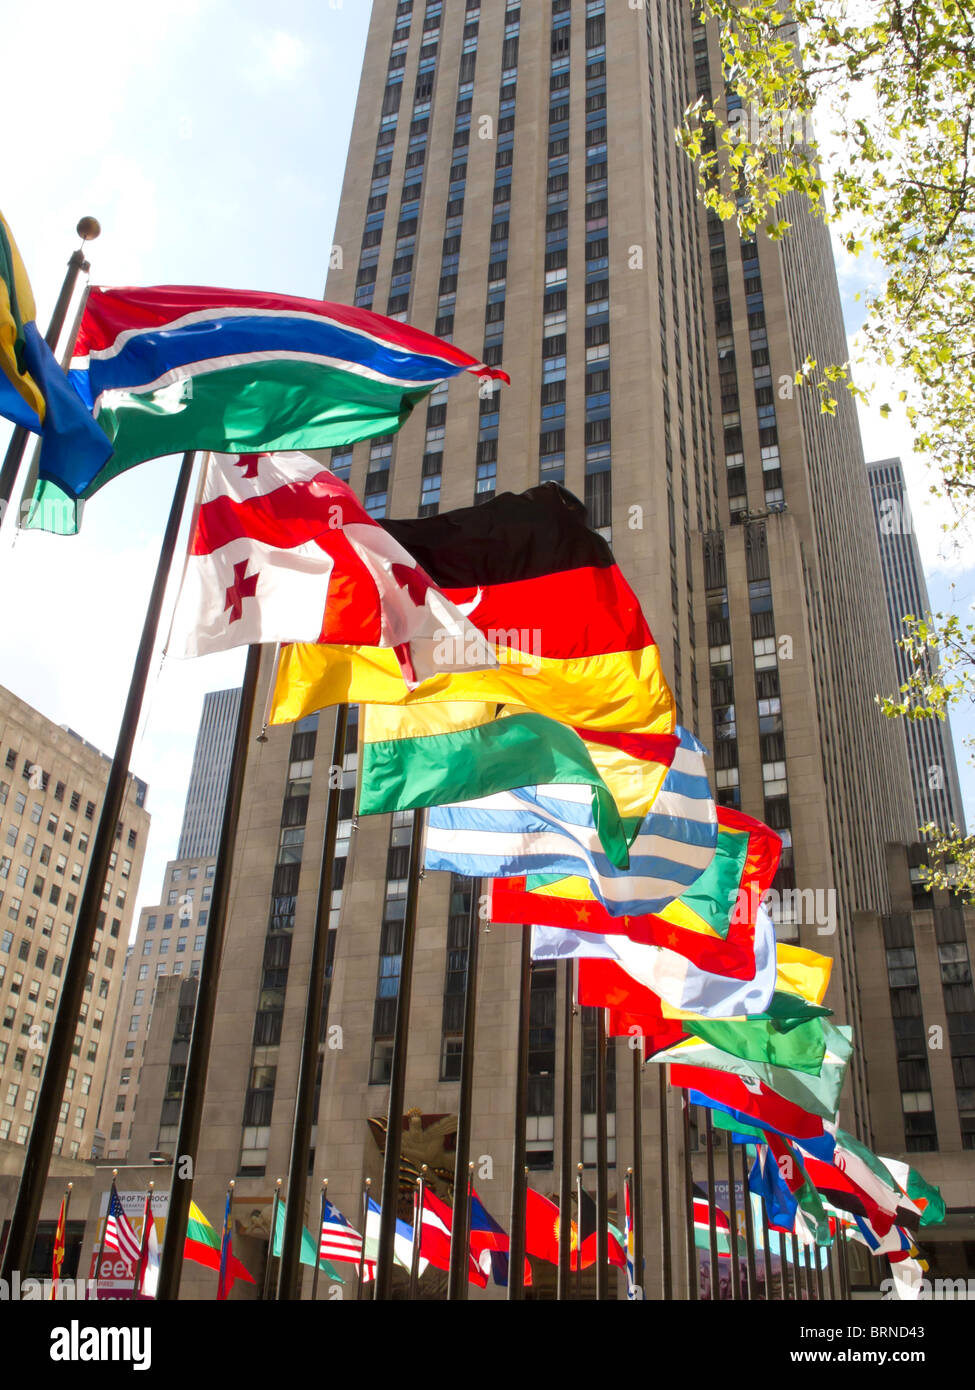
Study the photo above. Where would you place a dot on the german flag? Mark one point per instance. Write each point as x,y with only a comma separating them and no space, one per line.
545,592
712,923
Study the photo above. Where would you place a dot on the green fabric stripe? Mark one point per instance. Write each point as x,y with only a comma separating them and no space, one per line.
53,510
789,1010
801,1048
728,1122
935,1212
523,750
714,894
206,1235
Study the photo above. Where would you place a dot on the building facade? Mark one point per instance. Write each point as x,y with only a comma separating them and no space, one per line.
930,750
170,936
51,788
513,183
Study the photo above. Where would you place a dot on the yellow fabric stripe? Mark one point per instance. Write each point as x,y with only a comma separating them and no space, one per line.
383,722
617,691
633,782
802,972
23,384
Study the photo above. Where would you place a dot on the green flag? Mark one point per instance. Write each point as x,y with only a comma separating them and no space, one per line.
802,1047
307,1256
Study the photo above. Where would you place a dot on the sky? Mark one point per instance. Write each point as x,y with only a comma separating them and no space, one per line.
209,139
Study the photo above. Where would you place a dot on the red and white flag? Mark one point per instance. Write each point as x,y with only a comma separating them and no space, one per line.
281,550
436,1222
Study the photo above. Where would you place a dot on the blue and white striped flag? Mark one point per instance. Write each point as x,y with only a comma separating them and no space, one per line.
551,830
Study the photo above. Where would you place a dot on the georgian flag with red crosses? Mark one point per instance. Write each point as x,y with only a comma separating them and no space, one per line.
281,550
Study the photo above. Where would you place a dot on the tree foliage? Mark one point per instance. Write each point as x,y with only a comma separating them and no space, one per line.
891,85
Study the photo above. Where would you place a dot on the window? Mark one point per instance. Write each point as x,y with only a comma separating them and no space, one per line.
134,1023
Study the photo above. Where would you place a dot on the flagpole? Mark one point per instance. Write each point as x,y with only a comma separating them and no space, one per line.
318,1249
796,1286
144,1243
736,1293
88,228
845,1266
194,1089
767,1249
579,1172
563,1290
636,1185
362,1252
693,1276
712,1207
820,1290
289,1272
267,1284
831,1270
30,1193
789,1293
519,1183
602,1161
666,1252
749,1229
397,1076
417,1232
458,1273
807,1263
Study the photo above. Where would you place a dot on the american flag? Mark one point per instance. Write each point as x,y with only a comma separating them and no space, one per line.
340,1242
119,1235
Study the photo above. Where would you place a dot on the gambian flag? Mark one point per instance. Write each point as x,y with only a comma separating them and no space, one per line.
203,1246
712,923
170,368
571,640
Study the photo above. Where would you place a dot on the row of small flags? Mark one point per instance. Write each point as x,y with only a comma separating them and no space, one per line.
548,756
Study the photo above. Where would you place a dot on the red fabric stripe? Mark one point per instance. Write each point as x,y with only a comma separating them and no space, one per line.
651,748
110,312
763,1104
288,516
581,612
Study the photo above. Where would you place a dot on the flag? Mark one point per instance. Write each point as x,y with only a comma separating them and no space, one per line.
436,1224
34,392
119,1235
57,1256
282,550
702,1227
340,1241
490,1244
542,1220
634,1287
737,1124
149,1282
402,1241
801,1047
552,830
426,755
204,1248
749,1097
820,1095
306,1255
629,978
795,1171
148,1228
873,1177
226,1250
171,368
572,641
584,1244
926,1197
712,923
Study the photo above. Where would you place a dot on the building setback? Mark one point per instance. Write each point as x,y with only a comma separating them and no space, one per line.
51,787
513,183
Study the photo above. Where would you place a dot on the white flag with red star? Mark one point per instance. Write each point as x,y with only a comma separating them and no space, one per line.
281,550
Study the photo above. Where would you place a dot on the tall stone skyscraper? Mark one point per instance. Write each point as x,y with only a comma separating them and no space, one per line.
513,183
930,750
200,835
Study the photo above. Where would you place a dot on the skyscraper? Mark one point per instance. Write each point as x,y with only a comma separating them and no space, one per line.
513,183
200,834
930,751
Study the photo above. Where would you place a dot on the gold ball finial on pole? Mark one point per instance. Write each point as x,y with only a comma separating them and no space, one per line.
89,228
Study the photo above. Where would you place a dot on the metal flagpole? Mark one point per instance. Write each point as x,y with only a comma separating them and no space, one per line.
88,228
289,1273
191,1113
712,1206
602,1162
458,1273
318,1247
268,1281
636,1187
666,1252
519,1182
845,1267
397,1075
30,1194
693,1277
807,1270
820,1290
796,1285
417,1232
767,1250
733,1223
365,1226
749,1229
789,1294
565,1172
